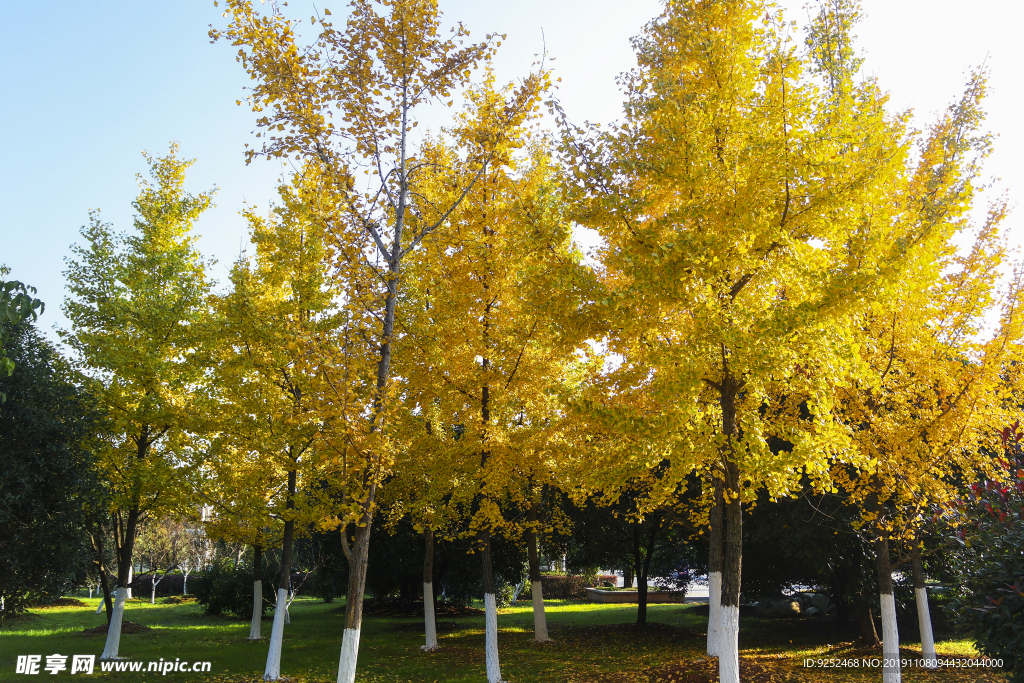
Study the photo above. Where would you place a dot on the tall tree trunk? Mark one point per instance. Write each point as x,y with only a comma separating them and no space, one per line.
641,579
627,577
490,614
255,625
358,557
890,633
540,622
715,568
729,618
430,626
131,579
924,617
273,670
124,567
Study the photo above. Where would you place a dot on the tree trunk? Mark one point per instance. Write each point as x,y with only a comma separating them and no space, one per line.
715,569
184,582
627,577
540,622
357,560
273,670
257,594
729,617
131,578
866,623
924,617
429,625
890,633
490,614
152,592
124,571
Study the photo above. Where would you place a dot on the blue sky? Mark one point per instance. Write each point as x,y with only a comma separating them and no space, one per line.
88,86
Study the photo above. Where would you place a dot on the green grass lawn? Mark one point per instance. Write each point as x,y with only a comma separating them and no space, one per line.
592,643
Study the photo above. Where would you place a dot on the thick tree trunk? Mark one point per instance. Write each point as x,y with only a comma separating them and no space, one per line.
924,617
124,571
729,617
273,669
540,622
429,625
490,614
890,633
357,560
255,625
715,569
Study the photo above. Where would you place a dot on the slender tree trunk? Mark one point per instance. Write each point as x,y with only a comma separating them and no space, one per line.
357,561
429,625
890,633
924,617
715,569
540,622
124,570
184,582
257,593
866,623
641,578
131,579
101,569
627,577
490,614
273,670
152,592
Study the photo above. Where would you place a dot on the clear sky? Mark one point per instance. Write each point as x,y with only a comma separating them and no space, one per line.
87,86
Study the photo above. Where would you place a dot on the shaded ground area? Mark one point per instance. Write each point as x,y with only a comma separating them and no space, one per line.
591,644
126,627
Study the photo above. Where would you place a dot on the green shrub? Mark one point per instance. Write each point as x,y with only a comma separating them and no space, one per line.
991,596
226,589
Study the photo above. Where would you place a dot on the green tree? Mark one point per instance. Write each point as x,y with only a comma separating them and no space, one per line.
18,302
48,484
136,309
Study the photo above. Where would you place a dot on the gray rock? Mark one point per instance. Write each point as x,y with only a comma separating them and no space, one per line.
812,612
820,600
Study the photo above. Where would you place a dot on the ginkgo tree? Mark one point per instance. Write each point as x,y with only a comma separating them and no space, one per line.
137,309
933,380
269,381
750,203
494,317
348,99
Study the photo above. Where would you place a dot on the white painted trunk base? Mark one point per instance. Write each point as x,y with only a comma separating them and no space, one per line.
273,670
429,626
349,653
728,643
257,613
924,621
890,640
540,620
491,639
714,611
131,573
99,607
114,630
